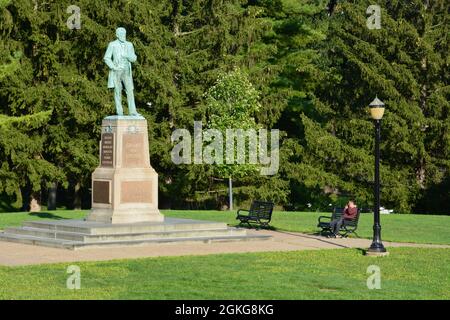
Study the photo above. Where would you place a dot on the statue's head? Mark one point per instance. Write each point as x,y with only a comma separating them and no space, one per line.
121,34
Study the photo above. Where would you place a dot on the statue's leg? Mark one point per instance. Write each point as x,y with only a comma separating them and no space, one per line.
118,94
130,95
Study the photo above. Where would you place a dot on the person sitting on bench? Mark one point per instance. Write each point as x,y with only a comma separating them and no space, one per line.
350,212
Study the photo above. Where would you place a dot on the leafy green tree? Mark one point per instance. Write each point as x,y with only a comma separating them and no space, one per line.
232,104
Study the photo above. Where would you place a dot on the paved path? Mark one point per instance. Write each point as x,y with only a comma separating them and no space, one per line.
14,254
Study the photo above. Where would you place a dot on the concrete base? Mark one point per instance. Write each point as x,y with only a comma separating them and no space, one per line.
376,254
114,216
76,234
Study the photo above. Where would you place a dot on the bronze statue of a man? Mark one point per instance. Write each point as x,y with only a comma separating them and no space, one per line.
119,56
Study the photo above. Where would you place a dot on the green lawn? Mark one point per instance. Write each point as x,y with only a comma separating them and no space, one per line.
401,228
16,218
408,273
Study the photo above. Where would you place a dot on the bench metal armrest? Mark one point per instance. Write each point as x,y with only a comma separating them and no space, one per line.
323,217
238,213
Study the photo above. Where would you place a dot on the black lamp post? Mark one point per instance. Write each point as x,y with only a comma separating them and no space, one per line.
377,111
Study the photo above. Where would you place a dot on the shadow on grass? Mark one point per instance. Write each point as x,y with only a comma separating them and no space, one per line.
47,215
253,226
362,251
318,236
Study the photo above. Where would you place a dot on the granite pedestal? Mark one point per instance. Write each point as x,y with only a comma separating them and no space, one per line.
124,186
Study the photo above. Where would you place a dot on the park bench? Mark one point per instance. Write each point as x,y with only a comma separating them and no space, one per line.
260,213
348,226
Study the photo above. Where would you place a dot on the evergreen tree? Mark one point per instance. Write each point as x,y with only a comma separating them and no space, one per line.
405,63
62,70
288,76
23,165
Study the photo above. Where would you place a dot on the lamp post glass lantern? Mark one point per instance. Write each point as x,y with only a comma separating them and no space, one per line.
377,112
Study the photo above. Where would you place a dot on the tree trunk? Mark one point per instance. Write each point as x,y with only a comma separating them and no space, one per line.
35,202
77,196
25,193
51,200
230,194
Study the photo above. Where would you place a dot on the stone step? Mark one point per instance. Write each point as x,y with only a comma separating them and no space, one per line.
95,228
87,238
45,233
213,233
230,238
54,243
75,234
50,226
59,243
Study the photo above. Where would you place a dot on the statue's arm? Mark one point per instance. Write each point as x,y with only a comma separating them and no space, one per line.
108,57
131,54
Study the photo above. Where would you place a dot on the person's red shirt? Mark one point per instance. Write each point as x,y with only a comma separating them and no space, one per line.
350,213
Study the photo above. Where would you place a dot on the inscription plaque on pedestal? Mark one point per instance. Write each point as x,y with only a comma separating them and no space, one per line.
136,191
133,147
100,192
107,150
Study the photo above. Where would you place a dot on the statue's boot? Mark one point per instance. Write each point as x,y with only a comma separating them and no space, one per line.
131,104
